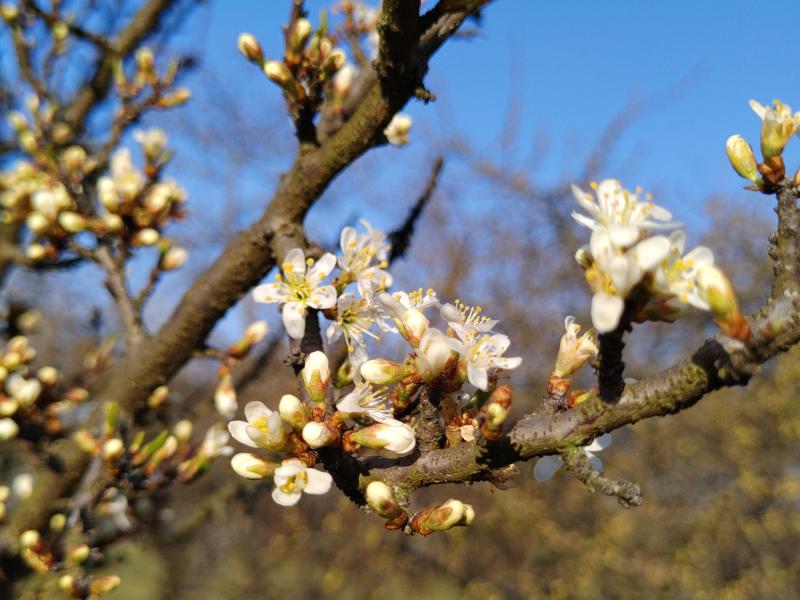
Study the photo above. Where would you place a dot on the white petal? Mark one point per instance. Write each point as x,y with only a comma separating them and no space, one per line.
319,482
256,409
238,430
270,293
582,219
760,110
507,363
478,377
321,269
289,468
623,235
652,251
333,333
600,443
295,261
546,467
701,257
500,342
294,319
323,297
596,463
606,311
347,239
285,499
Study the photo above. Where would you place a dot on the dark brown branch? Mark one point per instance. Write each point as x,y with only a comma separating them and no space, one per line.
785,243
400,238
398,29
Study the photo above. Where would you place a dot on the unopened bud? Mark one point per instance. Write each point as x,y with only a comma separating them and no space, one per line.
225,395
254,333
495,412
27,141
251,466
397,130
742,159
66,583
441,518
57,522
300,32
398,438
8,12
174,258
37,222
113,449
103,585
158,396
381,499
250,48
414,325
145,61
146,237
318,435
716,289
78,554
278,72
85,441
182,430
112,222
60,31
433,354
35,252
29,538
316,376
380,371
48,375
293,412
176,98
8,429
72,221
61,133
334,61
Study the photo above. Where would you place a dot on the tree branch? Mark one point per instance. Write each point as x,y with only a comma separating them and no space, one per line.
785,245
400,238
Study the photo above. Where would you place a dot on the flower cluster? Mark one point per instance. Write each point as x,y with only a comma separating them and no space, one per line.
627,264
778,125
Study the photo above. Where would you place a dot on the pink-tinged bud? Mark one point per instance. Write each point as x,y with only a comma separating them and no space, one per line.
317,435
174,258
716,289
433,354
278,72
293,412
441,518
250,466
250,48
225,396
380,371
381,499
398,439
414,325
72,222
316,376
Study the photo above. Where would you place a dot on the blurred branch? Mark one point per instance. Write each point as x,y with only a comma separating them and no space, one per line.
400,238
577,464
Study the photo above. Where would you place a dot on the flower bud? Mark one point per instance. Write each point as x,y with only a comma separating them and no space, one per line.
8,429
112,223
254,333
574,351
278,72
397,130
414,325
381,499
35,252
158,397
8,406
27,141
103,585
73,158
318,435
17,120
225,396
398,439
146,237
113,449
8,12
250,48
495,411
182,430
29,538
250,466
66,583
78,554
61,133
343,80
344,375
300,32
432,355
742,159
72,221
380,371
176,98
48,375
441,518
57,522
715,288
293,412
777,128
85,441
145,61
174,258
316,376
334,61
37,222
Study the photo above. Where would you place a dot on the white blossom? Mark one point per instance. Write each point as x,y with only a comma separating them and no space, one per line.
363,400
574,351
298,288
778,126
482,352
398,129
354,318
467,316
364,258
547,466
215,443
293,478
262,429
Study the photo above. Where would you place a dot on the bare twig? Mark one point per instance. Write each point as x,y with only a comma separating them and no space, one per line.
785,243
